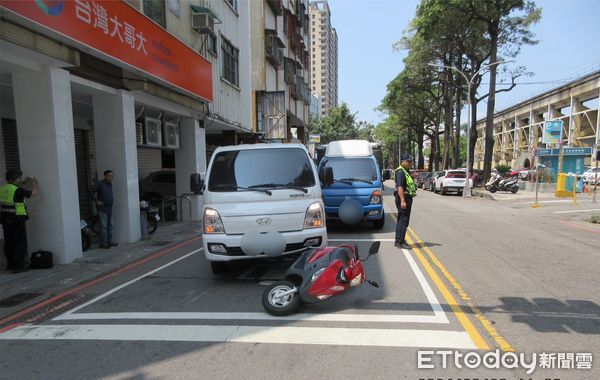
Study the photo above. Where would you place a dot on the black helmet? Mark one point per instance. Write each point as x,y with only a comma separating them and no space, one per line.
12,174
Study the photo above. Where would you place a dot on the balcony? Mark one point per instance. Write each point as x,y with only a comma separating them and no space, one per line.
273,48
289,71
276,6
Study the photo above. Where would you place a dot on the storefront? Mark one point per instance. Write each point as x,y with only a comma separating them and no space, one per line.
86,87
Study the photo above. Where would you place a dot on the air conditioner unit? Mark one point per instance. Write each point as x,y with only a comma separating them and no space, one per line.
152,131
171,135
139,139
203,23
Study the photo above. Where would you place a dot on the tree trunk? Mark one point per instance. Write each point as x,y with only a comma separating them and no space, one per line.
448,113
489,119
457,162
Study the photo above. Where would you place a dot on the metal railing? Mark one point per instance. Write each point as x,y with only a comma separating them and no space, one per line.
177,200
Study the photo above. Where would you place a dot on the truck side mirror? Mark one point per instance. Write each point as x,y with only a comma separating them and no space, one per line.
326,176
196,183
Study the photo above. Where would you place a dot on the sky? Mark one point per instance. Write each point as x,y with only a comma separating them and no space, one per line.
569,47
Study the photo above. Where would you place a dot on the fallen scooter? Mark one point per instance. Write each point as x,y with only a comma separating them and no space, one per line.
317,275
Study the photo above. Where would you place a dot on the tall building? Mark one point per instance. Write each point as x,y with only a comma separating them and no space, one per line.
324,56
280,60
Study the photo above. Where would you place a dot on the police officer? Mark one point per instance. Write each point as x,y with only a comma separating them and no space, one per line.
406,190
13,214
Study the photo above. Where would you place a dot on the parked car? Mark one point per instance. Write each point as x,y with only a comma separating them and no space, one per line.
429,183
452,181
589,176
158,185
420,180
521,173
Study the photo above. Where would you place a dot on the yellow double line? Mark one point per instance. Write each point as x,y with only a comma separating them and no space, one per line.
417,244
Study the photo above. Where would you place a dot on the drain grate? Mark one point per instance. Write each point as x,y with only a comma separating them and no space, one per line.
18,299
159,243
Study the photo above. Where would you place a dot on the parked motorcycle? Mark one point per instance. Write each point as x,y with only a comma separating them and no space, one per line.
317,275
497,182
152,216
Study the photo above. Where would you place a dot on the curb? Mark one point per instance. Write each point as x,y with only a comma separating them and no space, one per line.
483,194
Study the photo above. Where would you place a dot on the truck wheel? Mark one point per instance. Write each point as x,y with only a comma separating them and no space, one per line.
379,223
280,306
218,267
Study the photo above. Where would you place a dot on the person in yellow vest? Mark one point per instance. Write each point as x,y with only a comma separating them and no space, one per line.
406,190
13,214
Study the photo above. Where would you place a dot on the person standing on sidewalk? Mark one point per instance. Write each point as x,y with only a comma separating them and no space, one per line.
102,195
406,190
13,214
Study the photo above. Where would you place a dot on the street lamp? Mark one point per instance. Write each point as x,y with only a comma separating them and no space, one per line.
467,189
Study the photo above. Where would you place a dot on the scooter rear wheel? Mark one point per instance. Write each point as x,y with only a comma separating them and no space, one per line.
280,306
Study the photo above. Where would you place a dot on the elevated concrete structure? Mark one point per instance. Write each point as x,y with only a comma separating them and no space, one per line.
518,129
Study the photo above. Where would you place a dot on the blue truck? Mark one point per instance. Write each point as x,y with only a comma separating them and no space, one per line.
356,194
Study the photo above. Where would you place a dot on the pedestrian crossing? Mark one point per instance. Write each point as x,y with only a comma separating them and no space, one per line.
389,329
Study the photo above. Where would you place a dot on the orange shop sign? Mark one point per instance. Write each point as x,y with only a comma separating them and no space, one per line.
115,30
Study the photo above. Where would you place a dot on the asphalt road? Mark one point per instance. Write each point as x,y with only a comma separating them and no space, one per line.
481,276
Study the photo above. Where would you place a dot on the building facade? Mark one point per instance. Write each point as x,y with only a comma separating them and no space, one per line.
280,69
145,88
324,56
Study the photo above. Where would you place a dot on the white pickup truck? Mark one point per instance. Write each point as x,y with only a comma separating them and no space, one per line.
261,200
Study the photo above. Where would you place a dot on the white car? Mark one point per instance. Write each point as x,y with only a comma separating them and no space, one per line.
452,181
589,176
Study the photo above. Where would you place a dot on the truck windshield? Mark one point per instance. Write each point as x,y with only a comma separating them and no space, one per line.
352,169
256,168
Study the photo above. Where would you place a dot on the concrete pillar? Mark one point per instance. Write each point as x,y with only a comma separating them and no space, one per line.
190,158
116,149
47,151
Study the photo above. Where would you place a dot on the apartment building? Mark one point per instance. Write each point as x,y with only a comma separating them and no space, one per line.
324,56
280,69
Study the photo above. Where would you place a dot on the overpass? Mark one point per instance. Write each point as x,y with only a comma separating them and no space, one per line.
518,129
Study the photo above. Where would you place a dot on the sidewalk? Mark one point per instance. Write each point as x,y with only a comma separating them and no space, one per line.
37,285
508,196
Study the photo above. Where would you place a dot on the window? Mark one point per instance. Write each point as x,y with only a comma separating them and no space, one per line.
155,10
232,4
211,44
230,63
283,166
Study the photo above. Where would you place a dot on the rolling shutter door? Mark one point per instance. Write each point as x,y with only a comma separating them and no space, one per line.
83,173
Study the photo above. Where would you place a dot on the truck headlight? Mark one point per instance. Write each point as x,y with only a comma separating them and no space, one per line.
314,216
375,197
212,222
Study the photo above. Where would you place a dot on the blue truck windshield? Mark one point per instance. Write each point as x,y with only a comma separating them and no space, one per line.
258,168
353,169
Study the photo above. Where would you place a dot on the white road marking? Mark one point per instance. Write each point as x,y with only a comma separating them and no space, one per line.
574,211
104,295
329,317
343,240
433,301
557,201
248,334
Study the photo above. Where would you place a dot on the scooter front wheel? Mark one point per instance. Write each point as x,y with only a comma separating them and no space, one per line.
281,298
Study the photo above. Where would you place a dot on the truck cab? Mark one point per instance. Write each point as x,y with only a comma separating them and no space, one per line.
357,191
261,200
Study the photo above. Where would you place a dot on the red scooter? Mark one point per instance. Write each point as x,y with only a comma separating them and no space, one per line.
317,275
